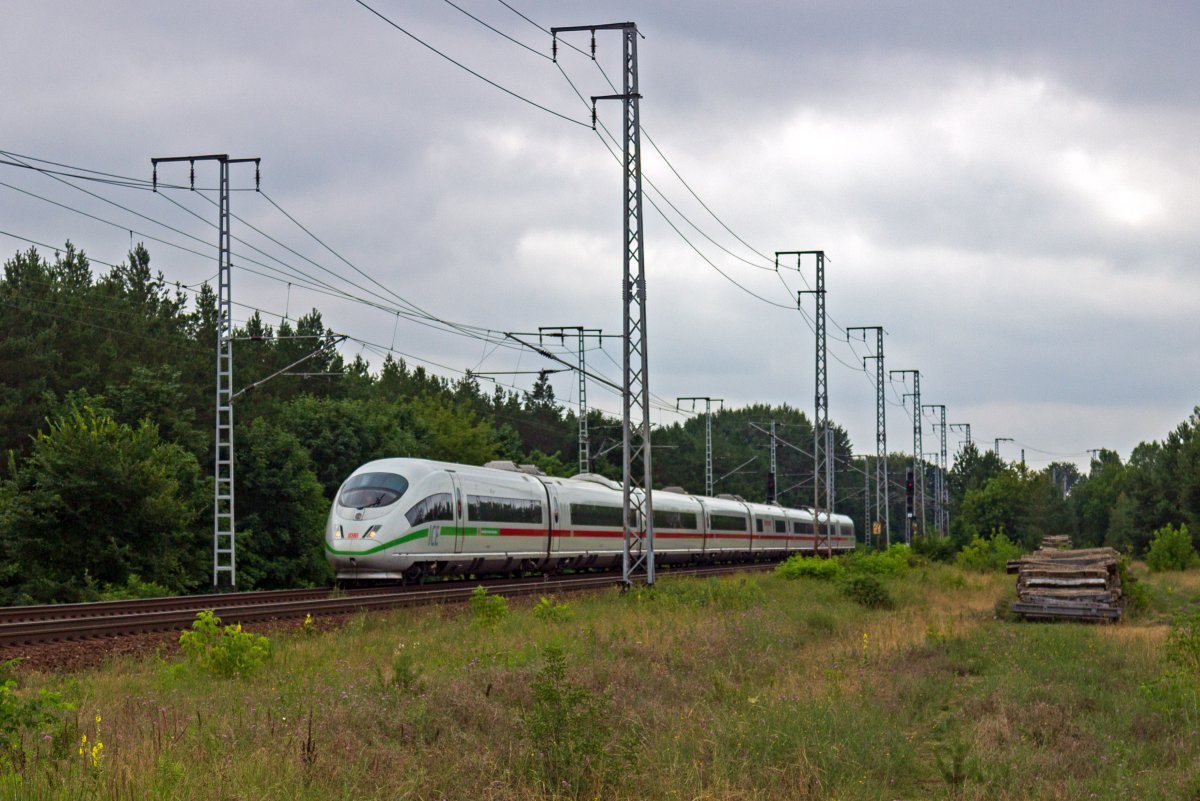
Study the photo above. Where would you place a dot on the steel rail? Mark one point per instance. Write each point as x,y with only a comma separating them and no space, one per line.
116,618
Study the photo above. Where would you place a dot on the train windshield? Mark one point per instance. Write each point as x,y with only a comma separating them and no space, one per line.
369,490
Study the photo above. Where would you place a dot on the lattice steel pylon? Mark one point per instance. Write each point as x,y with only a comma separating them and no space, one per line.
883,514
939,485
774,476
583,333
823,489
918,458
224,521
708,448
637,481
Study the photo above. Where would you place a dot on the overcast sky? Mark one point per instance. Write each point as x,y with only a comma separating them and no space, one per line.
1007,188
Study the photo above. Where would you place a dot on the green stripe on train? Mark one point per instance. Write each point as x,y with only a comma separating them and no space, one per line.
447,531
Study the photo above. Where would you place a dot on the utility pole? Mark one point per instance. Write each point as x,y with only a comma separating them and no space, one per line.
638,505
224,537
966,428
881,466
822,434
708,453
996,446
917,525
560,331
940,511
773,478
866,471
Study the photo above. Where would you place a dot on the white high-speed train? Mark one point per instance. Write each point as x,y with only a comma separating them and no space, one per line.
404,519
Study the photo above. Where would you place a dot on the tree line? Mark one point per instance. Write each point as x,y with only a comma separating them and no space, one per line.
106,417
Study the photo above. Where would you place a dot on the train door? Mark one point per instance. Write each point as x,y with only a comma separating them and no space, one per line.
553,519
460,511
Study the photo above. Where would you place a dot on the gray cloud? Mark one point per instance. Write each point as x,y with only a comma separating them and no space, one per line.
1006,188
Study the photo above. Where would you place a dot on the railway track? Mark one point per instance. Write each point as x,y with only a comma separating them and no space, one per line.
33,625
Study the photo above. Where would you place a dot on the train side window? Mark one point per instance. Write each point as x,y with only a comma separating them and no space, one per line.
780,527
728,522
759,525
487,509
595,514
435,507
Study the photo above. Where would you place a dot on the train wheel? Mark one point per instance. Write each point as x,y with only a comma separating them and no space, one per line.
415,575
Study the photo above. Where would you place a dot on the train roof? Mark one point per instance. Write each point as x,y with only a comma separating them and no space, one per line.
589,483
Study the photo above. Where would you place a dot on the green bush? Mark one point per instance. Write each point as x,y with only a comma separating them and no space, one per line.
1172,549
227,651
21,717
406,676
487,610
987,555
552,610
565,724
867,590
133,588
1137,597
810,567
934,548
1176,692
892,562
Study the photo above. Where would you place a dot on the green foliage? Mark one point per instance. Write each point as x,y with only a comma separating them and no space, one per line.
96,502
934,548
284,511
866,589
1172,549
740,592
552,610
987,555
1135,593
810,567
406,676
1176,692
566,728
1092,499
24,717
1183,644
225,652
133,588
452,432
487,611
892,562
340,434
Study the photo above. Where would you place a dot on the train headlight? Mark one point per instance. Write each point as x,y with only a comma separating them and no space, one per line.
372,532
337,533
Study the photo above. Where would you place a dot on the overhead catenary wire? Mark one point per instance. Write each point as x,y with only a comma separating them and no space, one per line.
317,285
467,69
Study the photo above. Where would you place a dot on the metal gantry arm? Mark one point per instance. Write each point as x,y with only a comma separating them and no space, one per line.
965,428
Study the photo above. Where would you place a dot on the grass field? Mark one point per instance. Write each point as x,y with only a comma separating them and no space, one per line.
754,687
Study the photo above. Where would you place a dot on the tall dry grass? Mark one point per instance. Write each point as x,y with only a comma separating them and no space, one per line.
750,687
